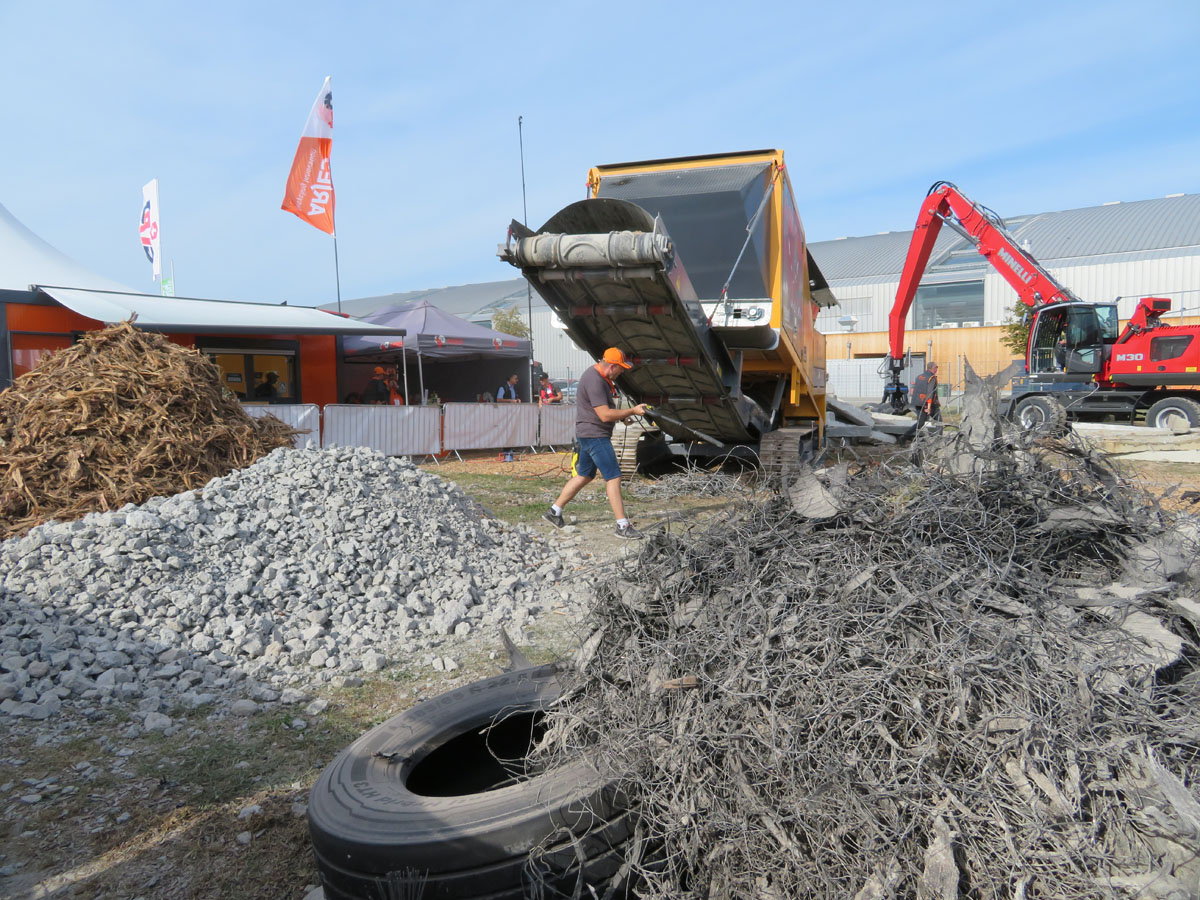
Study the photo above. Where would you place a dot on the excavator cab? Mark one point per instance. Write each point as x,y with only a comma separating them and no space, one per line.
1071,338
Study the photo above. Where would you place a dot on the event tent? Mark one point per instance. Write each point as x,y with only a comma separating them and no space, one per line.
432,334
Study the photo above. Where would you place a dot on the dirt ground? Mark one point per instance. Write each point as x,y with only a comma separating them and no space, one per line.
94,809
523,489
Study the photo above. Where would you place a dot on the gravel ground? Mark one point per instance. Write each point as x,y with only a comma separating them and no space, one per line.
310,566
122,790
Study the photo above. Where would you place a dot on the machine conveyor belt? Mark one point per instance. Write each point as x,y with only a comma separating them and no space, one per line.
608,269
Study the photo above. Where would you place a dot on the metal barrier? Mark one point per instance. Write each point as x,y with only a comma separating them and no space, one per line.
300,416
860,379
482,426
394,430
557,424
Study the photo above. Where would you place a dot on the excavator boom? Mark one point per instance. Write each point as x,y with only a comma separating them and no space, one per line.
946,204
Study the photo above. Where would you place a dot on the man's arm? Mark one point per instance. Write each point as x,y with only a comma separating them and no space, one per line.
608,414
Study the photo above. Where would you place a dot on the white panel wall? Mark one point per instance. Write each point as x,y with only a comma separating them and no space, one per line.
558,424
482,426
555,350
871,304
301,416
394,430
859,379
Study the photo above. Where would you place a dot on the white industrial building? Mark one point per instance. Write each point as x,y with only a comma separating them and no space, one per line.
1116,251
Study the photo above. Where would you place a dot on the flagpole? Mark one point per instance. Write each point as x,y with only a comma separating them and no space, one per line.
525,222
158,212
337,275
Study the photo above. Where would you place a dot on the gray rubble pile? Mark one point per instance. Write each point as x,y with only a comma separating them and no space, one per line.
308,566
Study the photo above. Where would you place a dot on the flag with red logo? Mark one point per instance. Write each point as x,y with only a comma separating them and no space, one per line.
148,229
309,193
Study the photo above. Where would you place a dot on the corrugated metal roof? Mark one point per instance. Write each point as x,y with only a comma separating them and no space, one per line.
179,314
1131,230
458,300
872,256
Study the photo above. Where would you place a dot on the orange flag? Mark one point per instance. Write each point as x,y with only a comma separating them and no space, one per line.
309,192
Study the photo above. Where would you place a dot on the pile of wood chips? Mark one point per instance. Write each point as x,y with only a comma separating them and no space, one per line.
120,417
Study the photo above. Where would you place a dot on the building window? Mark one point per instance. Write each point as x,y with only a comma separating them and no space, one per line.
939,305
30,349
257,375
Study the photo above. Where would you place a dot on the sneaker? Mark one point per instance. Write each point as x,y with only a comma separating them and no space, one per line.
554,519
628,532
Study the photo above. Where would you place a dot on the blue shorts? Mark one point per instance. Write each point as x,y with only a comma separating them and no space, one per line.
596,453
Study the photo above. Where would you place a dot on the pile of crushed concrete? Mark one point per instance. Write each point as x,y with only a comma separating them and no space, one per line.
308,566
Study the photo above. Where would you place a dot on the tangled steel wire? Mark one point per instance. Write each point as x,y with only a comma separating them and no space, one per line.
936,690
119,417
692,483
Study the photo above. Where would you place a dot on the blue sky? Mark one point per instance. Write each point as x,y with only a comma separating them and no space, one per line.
1028,107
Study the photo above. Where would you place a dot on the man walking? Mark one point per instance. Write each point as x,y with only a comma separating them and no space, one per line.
595,415
925,396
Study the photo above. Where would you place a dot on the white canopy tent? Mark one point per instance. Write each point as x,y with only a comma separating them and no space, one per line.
29,265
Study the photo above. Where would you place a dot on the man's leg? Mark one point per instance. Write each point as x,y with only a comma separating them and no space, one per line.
583,470
574,485
612,487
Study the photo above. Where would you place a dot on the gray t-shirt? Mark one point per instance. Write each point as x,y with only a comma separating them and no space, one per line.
593,390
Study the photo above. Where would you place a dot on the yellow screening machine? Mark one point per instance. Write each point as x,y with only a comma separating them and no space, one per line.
697,268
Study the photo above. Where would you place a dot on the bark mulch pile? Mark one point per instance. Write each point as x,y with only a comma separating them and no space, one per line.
971,676
120,417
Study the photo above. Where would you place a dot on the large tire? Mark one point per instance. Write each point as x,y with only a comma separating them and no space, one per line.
421,802
1170,409
1041,413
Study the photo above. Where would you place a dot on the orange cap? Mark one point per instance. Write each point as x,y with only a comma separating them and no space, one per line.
617,358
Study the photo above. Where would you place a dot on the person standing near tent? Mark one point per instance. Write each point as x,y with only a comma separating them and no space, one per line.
595,416
547,392
395,396
376,392
508,391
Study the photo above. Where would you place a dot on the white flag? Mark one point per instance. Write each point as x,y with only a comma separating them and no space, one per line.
149,228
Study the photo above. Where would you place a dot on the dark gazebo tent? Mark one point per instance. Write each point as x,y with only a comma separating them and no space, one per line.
433,335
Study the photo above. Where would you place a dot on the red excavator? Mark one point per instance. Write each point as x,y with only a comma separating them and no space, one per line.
1078,364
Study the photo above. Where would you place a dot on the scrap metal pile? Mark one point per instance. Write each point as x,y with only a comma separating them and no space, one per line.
936,681
120,417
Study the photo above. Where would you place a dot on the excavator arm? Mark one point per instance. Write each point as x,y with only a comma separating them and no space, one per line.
946,205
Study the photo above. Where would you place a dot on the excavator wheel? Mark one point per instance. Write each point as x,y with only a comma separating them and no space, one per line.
1170,410
1042,414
